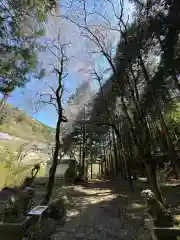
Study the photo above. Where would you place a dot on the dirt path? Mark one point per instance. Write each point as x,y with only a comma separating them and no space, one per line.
99,212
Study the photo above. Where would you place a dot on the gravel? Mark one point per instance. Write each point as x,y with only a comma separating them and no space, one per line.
99,215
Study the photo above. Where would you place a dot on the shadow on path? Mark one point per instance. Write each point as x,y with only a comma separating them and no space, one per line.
102,211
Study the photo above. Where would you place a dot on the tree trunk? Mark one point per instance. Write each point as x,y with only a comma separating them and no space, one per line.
3,101
165,129
91,164
102,168
143,147
99,169
175,160
130,176
82,173
86,170
53,168
80,156
121,154
151,170
129,167
115,152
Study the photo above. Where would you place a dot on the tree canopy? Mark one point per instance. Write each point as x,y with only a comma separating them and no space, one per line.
21,25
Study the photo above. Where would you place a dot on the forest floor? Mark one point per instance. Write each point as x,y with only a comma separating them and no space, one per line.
104,210
109,210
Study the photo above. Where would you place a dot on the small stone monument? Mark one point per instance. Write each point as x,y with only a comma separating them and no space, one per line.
159,216
66,164
18,206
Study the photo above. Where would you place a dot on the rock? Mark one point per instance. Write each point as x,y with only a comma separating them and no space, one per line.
56,209
7,192
159,215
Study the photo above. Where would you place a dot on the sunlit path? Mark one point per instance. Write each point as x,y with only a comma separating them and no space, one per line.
98,212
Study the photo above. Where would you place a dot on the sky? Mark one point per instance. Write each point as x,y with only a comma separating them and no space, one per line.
79,59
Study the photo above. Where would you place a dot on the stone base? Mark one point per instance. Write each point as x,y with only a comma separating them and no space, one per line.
15,231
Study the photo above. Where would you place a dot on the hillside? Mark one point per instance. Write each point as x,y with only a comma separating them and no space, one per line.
17,123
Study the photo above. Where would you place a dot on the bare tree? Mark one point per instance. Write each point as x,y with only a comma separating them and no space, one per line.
97,34
54,98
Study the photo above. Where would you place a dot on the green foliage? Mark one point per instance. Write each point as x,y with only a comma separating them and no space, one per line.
13,166
173,119
21,25
14,169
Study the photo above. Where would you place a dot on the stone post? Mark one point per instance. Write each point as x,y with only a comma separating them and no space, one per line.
159,216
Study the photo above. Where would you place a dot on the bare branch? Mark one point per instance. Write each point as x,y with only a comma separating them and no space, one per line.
50,103
92,36
51,99
52,89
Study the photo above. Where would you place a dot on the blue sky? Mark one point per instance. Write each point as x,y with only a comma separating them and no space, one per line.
24,98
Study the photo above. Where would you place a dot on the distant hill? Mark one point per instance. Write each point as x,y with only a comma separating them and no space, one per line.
17,123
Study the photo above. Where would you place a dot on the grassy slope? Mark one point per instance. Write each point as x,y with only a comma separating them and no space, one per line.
15,122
